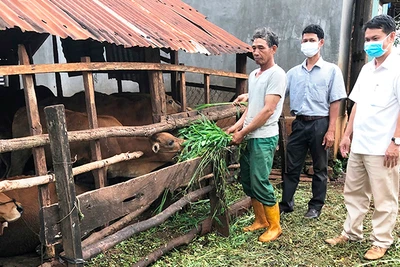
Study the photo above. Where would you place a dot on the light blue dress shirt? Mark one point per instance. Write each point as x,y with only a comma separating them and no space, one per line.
311,92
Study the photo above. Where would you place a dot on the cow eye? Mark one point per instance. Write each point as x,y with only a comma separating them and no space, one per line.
170,101
171,142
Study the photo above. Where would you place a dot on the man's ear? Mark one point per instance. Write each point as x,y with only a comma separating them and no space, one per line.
321,42
392,36
274,48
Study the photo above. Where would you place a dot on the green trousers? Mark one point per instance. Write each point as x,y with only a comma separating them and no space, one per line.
255,167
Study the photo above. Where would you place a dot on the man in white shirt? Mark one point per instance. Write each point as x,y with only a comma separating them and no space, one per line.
374,124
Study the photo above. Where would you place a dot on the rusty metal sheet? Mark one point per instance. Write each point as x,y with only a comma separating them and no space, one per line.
145,23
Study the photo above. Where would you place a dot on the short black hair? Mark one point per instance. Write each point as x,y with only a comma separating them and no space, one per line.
314,28
269,36
384,22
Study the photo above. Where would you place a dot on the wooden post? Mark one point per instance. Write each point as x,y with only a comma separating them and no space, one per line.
362,13
157,90
57,74
174,75
282,142
219,215
67,201
157,95
100,174
219,211
182,91
241,63
206,88
36,129
119,83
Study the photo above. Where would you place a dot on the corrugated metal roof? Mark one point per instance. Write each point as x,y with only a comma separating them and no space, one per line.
156,23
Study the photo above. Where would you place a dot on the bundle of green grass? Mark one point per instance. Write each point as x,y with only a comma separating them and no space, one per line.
203,138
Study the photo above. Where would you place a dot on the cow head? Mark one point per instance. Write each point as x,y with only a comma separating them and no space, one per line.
10,210
166,144
173,106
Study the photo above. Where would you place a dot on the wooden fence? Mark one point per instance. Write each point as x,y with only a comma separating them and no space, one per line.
127,199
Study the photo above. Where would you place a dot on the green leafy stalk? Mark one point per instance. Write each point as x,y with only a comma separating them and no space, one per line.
203,138
203,106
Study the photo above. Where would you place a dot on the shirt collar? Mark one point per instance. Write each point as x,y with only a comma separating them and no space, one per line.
319,63
389,63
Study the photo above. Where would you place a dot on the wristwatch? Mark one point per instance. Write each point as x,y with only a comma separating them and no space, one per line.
396,140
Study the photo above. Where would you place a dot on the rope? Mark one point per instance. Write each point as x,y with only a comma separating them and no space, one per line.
77,206
10,201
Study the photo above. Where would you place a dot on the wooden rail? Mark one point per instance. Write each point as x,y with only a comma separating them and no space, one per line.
173,122
112,66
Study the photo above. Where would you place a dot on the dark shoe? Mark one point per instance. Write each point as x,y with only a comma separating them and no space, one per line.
284,209
312,214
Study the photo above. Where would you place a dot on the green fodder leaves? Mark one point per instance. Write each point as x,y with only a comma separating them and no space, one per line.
203,106
205,139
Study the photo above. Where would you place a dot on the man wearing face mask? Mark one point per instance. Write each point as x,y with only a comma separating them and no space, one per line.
374,124
315,89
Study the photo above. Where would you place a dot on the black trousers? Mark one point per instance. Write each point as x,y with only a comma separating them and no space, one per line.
306,135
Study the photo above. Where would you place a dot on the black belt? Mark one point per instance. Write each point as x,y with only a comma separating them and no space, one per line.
309,118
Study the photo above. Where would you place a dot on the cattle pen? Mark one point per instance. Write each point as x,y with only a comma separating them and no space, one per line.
125,200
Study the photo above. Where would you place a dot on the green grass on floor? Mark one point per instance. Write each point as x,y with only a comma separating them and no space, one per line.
301,244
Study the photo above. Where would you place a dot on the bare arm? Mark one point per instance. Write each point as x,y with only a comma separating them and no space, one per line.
238,125
392,152
345,142
329,137
241,98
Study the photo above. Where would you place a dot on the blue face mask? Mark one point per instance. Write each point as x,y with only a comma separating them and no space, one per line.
375,49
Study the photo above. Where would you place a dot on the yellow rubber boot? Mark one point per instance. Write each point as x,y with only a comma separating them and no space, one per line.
273,218
260,221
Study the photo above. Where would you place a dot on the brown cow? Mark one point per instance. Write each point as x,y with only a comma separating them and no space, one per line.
75,121
166,146
10,101
22,236
10,210
128,108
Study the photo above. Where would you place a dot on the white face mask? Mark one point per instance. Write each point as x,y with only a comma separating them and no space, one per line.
310,49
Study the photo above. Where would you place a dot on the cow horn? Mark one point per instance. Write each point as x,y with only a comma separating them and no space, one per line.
156,147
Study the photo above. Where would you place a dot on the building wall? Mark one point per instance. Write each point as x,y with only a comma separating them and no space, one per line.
287,18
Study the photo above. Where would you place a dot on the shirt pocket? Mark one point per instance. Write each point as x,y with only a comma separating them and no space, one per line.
319,93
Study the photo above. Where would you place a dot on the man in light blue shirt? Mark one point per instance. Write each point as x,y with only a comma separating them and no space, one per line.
315,89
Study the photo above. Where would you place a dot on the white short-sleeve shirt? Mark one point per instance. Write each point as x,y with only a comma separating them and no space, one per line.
377,94
270,82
